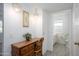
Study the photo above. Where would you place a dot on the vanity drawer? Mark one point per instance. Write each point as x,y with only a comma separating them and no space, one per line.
27,49
24,50
30,47
30,53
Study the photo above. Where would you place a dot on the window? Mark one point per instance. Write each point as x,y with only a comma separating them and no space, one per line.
58,26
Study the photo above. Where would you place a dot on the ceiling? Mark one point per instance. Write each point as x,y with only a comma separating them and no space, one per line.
50,7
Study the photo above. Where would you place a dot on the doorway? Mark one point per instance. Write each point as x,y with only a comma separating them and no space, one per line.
62,33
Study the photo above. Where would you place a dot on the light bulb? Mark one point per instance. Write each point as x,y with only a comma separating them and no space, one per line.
17,9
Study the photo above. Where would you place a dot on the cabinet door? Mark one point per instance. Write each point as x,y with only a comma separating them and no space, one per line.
27,50
24,50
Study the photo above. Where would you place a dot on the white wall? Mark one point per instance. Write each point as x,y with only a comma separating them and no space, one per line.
50,29
13,28
46,19
75,36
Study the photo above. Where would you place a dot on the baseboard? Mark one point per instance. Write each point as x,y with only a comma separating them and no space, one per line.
6,54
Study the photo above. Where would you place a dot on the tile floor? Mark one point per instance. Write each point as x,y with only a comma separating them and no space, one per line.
58,50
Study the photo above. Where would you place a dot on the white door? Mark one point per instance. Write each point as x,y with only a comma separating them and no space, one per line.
76,29
1,28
